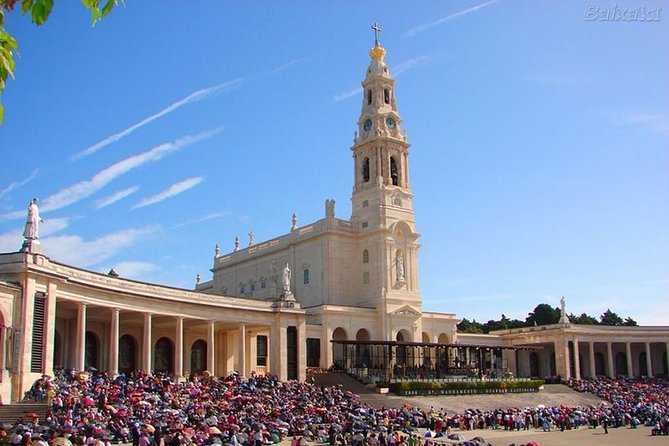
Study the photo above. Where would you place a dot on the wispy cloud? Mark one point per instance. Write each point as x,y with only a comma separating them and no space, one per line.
193,97
420,28
170,192
409,64
347,94
208,217
83,189
130,269
10,241
113,198
283,67
16,184
658,122
74,250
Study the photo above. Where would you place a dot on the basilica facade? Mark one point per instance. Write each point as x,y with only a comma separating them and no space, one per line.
337,291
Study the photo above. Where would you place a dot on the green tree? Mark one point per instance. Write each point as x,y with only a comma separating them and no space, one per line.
629,322
39,11
583,319
470,327
610,318
543,314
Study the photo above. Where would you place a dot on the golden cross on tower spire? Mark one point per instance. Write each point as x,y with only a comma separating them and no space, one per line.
377,30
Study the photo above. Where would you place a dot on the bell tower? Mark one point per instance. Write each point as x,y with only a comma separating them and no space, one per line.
382,206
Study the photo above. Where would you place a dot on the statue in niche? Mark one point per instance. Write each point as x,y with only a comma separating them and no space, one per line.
285,280
31,231
272,271
399,264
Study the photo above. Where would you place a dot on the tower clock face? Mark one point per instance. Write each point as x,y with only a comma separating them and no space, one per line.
390,122
368,125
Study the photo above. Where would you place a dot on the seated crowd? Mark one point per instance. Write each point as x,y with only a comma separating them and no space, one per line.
96,409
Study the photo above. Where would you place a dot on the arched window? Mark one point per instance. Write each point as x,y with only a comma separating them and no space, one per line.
365,256
163,356
386,96
621,363
91,352
127,353
393,171
369,96
198,357
365,170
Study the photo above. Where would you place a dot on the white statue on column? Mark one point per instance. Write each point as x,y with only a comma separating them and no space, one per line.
236,243
294,226
285,279
31,231
251,238
563,313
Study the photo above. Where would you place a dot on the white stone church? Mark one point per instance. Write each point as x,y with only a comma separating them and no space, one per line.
337,291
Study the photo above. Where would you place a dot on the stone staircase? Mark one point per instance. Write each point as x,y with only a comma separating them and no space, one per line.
367,392
9,413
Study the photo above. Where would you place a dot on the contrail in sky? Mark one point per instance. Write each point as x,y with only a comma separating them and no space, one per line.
420,28
193,97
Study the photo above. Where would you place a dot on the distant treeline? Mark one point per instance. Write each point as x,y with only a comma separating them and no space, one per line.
543,314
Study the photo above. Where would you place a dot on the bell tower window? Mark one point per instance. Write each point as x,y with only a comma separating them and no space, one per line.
365,170
386,96
393,171
369,96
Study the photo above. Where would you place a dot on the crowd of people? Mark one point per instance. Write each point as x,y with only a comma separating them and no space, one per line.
96,409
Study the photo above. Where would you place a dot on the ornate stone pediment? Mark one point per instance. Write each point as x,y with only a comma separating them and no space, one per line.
406,311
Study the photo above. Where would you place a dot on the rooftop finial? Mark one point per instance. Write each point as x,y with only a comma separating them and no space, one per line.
378,51
377,30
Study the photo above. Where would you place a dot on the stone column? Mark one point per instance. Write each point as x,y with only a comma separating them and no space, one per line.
278,365
609,354
179,348
147,344
649,362
302,350
113,341
628,352
326,348
241,350
211,348
81,337
577,360
49,328
593,367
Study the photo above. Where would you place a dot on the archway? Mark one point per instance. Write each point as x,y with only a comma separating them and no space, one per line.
402,336
91,352
600,367
57,350
535,364
621,364
127,354
362,353
198,357
643,366
163,358
339,334
445,357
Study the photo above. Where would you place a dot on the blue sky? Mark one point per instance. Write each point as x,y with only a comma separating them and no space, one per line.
539,157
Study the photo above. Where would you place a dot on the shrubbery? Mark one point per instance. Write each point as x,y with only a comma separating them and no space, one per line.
471,386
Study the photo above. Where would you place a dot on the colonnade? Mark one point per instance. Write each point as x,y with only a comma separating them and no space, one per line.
571,353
